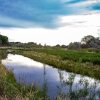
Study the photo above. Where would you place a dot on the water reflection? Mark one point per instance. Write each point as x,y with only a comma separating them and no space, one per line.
55,82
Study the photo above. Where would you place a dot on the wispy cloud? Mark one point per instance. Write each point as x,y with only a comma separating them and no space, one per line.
42,13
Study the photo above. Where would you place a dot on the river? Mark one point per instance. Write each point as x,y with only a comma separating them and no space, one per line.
56,81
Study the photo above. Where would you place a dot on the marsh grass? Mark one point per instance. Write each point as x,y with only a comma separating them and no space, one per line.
11,90
83,55
86,92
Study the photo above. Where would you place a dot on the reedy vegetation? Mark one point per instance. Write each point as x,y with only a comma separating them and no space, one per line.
11,90
86,92
83,55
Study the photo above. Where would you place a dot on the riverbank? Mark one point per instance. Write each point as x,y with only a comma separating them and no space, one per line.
11,90
55,59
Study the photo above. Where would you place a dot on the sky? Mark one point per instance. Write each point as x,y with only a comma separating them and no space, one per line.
49,22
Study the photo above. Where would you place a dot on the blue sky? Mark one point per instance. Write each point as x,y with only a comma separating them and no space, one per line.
49,21
42,13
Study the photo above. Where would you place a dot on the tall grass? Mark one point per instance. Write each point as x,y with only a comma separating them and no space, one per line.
11,90
75,55
3,54
86,92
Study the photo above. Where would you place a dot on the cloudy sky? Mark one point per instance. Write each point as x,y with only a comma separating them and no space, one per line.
49,21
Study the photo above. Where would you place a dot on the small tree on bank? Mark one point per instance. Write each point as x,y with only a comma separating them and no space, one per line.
3,40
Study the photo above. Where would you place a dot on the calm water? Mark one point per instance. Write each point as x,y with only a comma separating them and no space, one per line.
28,71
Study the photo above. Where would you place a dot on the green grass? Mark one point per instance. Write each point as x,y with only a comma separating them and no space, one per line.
9,88
75,55
2,54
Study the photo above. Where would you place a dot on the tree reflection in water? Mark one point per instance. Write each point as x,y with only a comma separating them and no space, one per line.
81,91
45,82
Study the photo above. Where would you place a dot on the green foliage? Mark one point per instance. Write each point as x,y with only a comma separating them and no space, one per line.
74,55
11,89
3,40
2,54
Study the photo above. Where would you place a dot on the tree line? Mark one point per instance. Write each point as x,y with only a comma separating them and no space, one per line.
88,41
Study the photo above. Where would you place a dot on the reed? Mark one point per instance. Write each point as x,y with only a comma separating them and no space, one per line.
11,90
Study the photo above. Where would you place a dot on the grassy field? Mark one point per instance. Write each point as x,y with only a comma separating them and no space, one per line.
85,55
81,62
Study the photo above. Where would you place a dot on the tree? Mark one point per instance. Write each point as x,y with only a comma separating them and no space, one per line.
74,45
87,39
3,40
90,42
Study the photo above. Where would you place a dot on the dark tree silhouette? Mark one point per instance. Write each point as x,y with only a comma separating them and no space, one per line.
3,40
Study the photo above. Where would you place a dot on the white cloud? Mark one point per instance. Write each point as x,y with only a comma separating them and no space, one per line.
81,20
74,28
85,3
